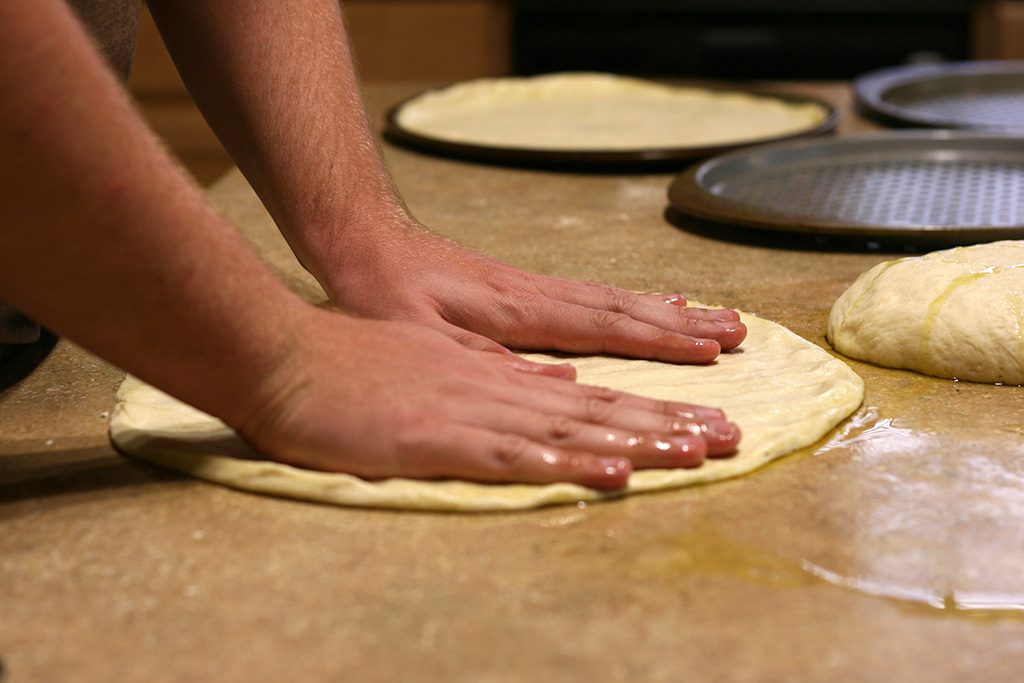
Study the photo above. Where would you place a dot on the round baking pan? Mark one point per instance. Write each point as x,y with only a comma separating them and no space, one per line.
943,186
598,159
963,95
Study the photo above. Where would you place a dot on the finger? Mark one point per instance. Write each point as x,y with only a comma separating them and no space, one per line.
723,324
601,406
579,329
690,412
479,454
599,295
698,312
644,450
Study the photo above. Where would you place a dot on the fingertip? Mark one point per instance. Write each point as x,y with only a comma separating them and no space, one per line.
722,438
696,413
734,337
702,350
607,473
687,451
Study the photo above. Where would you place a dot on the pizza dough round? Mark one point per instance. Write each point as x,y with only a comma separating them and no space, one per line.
955,313
593,111
784,392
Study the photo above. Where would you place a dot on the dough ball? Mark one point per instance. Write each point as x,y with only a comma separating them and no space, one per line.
955,313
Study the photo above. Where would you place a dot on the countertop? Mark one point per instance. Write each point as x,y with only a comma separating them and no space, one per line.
891,550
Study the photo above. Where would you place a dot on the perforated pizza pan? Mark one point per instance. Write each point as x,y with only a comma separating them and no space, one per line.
962,95
949,186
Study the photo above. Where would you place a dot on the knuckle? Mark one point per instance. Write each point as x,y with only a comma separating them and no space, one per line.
610,320
510,452
517,306
604,393
622,302
599,408
561,428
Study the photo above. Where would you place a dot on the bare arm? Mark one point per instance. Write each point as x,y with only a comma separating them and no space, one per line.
277,81
105,240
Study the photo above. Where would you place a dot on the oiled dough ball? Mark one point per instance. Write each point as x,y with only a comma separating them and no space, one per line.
954,313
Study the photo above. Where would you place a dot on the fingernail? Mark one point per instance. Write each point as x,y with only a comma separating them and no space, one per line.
615,466
687,451
683,444
680,427
706,344
703,413
720,429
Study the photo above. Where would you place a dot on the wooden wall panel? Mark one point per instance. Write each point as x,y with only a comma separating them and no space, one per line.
999,29
430,40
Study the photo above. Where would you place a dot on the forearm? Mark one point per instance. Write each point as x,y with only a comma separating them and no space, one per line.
277,81
106,241
278,84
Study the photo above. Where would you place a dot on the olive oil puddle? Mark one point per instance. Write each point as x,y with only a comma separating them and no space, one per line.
866,426
935,536
708,550
705,554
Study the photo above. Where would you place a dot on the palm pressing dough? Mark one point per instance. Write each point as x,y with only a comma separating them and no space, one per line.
954,313
784,392
592,111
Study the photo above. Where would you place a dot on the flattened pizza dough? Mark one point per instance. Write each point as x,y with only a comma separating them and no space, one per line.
593,111
783,391
953,313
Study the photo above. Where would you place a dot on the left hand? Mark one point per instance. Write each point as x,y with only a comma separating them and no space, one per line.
416,276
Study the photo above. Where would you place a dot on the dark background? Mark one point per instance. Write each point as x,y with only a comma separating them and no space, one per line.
737,38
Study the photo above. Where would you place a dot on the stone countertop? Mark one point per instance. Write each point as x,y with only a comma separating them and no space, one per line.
892,550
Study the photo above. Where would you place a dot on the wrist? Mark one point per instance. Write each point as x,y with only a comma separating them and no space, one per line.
261,381
349,257
281,392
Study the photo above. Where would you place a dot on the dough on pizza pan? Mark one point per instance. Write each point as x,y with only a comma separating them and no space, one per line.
599,112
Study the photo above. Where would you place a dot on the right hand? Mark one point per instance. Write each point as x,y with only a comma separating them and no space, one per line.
388,399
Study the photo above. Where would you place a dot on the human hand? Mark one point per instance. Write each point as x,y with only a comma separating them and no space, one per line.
389,399
413,275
